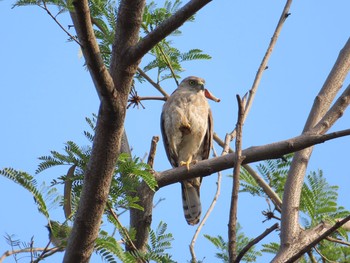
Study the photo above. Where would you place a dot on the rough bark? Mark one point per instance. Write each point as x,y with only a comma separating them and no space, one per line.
290,228
113,88
253,154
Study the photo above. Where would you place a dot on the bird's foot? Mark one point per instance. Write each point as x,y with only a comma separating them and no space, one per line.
187,163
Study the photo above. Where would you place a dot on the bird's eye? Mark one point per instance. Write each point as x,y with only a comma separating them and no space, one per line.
192,82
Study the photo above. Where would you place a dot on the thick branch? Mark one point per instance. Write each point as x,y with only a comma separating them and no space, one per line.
334,113
317,240
260,181
291,198
91,51
167,27
110,123
252,154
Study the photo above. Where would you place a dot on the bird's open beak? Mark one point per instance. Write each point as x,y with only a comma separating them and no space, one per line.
209,95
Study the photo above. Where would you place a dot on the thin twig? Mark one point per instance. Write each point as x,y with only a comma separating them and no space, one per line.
152,151
168,63
263,64
339,241
125,232
260,181
206,216
160,48
43,252
59,24
324,257
255,241
232,226
154,84
25,250
311,257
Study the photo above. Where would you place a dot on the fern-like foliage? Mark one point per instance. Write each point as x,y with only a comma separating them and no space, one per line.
319,200
110,249
318,203
160,241
242,242
273,171
165,55
29,183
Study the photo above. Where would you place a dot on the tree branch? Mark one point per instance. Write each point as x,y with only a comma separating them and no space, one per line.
58,23
334,113
167,27
91,51
27,250
252,154
265,60
232,225
110,122
260,181
206,216
255,241
291,198
339,241
317,240
157,86
123,232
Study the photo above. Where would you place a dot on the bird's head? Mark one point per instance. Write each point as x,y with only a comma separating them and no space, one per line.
197,84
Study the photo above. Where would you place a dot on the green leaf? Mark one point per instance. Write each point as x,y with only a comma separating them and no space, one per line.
30,184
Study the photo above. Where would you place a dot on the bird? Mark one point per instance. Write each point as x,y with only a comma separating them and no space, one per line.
187,132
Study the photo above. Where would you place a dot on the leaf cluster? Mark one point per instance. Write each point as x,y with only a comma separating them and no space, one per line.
318,203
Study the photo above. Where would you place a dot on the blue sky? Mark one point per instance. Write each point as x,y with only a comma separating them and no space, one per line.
46,93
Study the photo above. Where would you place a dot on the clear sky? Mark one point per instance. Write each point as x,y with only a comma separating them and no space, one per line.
45,94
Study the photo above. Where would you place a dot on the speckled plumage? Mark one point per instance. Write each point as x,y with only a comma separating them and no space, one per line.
186,124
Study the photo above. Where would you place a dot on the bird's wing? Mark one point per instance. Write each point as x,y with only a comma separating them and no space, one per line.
172,156
208,138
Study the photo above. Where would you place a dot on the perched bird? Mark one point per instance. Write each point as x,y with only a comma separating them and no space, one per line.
187,131
58,234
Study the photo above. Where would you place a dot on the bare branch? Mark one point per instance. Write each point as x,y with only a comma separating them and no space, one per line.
167,61
334,113
27,250
265,60
255,241
311,257
59,24
157,86
110,122
325,258
252,154
260,181
124,232
152,151
207,214
232,225
318,239
291,198
339,241
165,28
91,51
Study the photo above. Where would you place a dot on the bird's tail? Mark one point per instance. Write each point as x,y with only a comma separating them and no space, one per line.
191,200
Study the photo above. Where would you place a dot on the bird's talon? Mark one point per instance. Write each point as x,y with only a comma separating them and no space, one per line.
189,161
